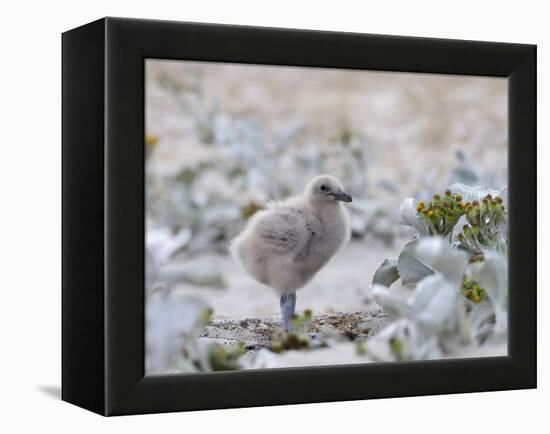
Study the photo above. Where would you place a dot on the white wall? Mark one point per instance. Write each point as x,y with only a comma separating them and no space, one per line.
30,80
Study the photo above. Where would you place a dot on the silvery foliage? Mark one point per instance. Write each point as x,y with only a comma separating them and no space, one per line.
367,215
465,172
160,273
436,318
409,267
492,275
427,320
387,273
173,338
336,353
468,173
173,323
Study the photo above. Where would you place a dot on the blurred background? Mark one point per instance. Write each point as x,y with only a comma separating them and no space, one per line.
224,139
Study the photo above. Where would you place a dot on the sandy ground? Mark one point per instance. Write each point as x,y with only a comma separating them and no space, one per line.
256,333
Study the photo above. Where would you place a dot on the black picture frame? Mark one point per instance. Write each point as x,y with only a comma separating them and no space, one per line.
103,215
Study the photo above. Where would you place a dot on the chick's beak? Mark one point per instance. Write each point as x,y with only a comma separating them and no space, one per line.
343,196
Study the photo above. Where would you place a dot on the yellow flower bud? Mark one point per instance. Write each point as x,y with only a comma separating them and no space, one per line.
151,140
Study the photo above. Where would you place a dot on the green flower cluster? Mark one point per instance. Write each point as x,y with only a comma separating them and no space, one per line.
441,213
300,322
223,358
476,258
188,175
151,142
396,348
290,341
296,340
472,291
486,225
250,209
217,357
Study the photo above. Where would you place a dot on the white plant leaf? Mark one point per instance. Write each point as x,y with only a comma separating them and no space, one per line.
387,273
434,305
199,272
363,212
504,195
424,346
466,172
391,303
220,215
171,321
413,344
162,244
388,185
480,320
438,255
409,217
471,193
379,348
492,276
202,272
410,267
340,353
432,322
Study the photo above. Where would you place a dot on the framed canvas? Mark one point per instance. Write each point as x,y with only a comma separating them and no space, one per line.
257,216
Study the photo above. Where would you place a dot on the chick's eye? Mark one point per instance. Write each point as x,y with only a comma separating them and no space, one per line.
323,187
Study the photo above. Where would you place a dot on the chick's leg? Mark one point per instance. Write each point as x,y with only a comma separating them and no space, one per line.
288,305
